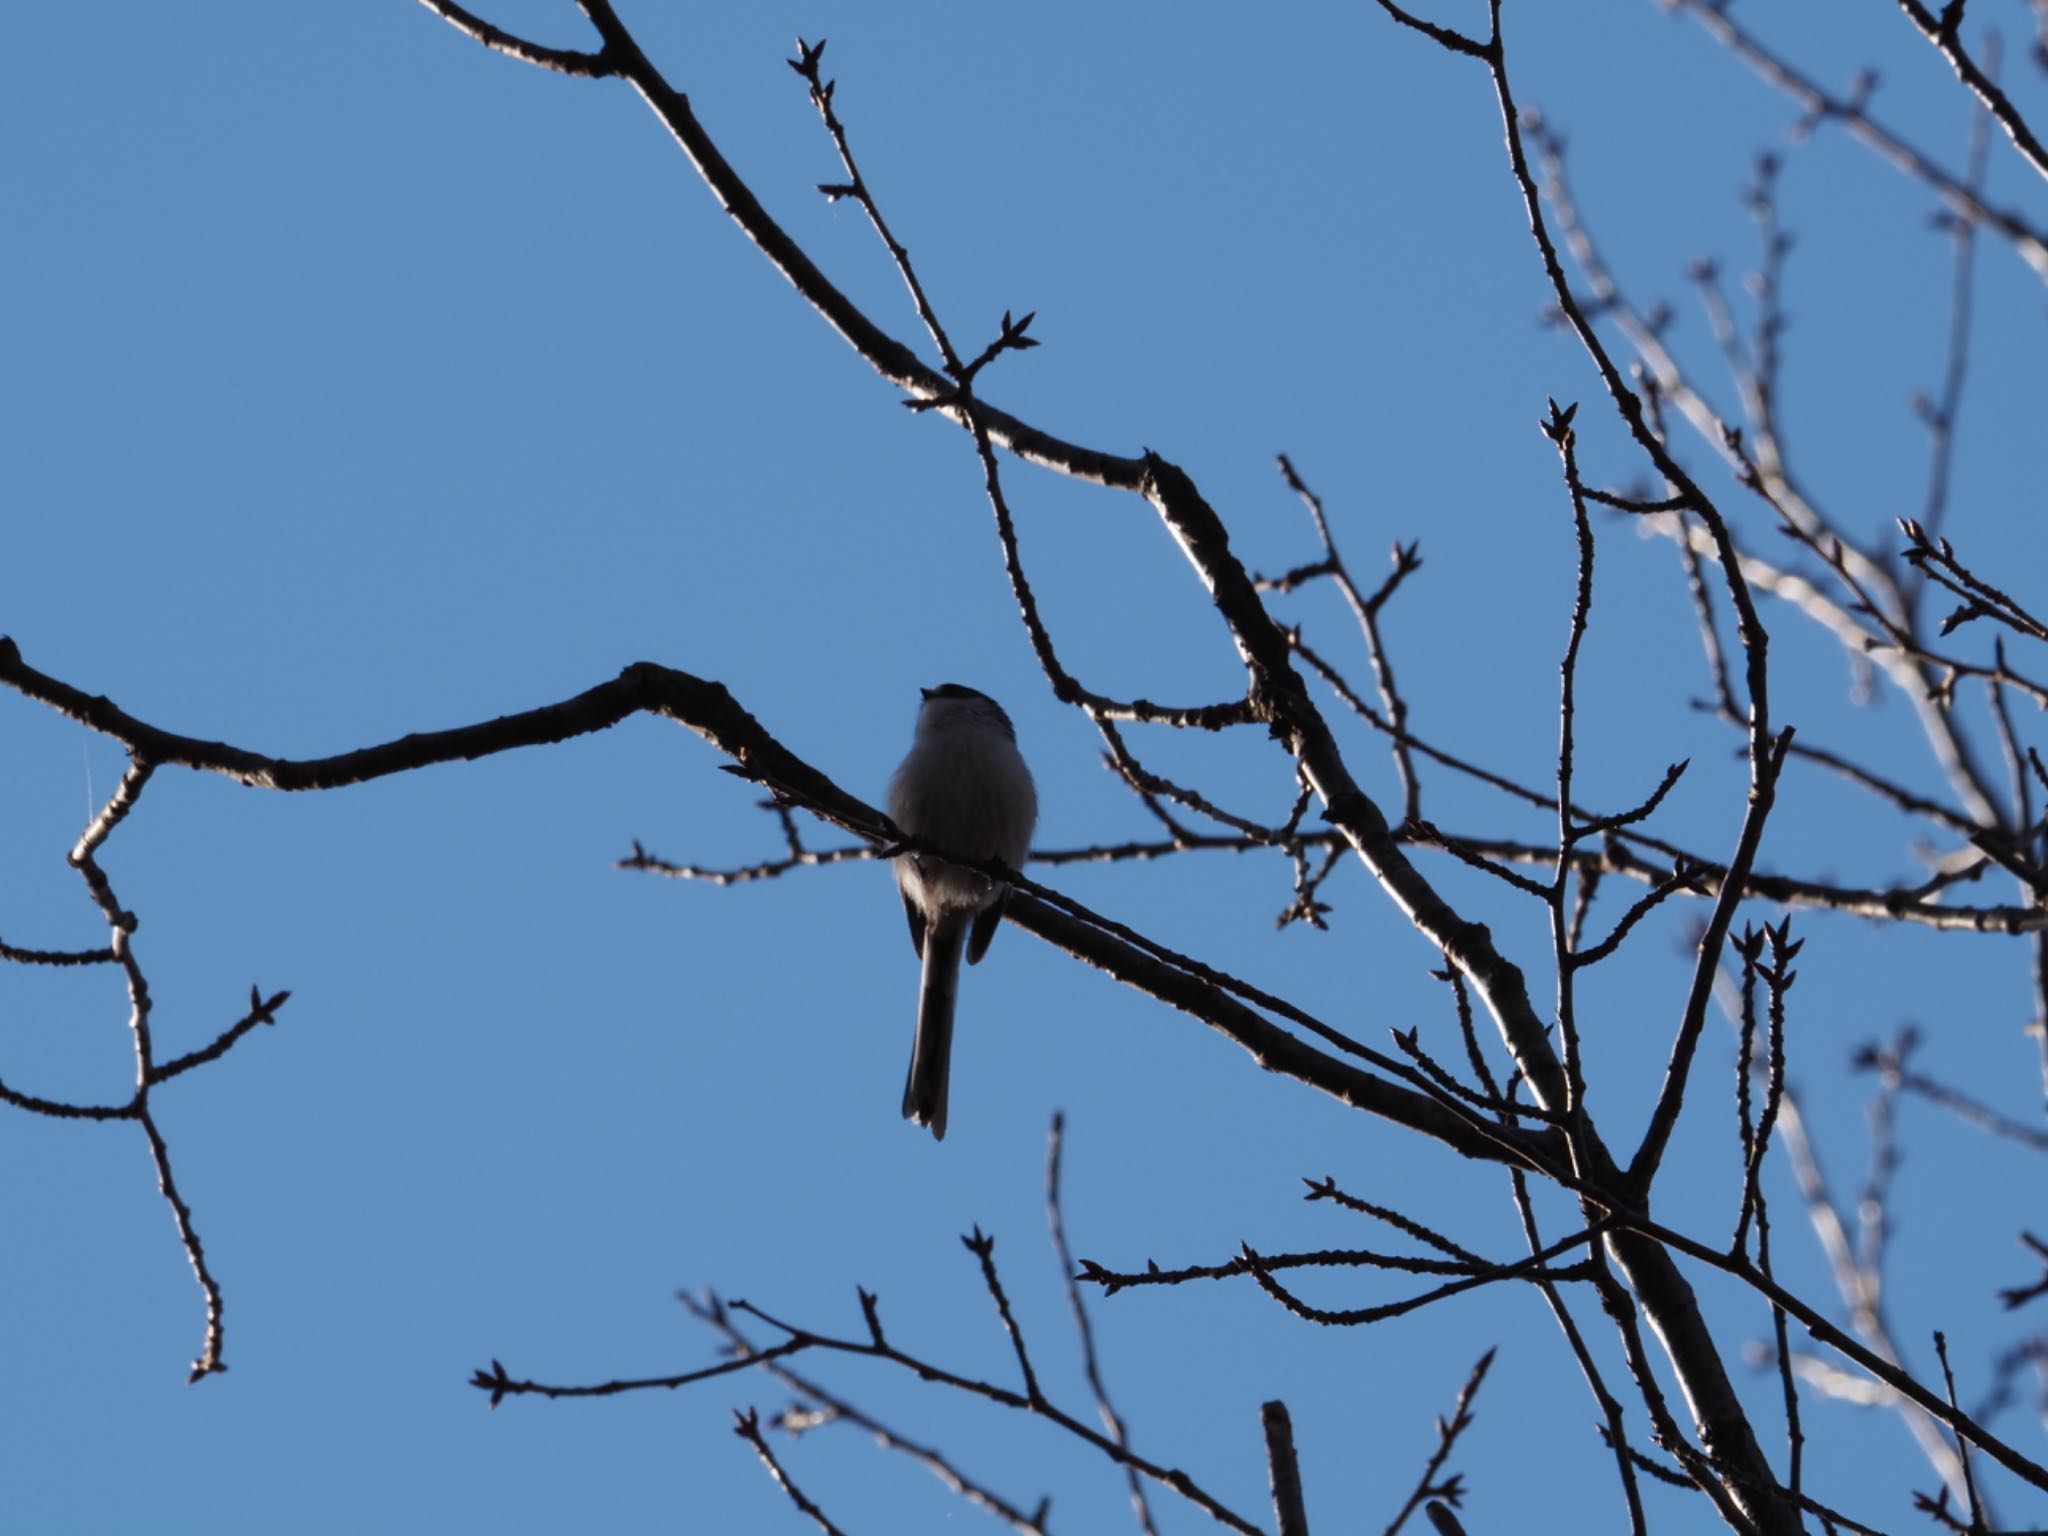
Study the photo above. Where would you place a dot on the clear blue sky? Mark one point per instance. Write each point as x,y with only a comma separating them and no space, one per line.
359,381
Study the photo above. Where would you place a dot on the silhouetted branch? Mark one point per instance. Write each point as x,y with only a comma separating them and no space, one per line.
1112,1422
1935,557
55,956
1452,1489
1596,1383
1406,561
822,1407
1283,1469
566,61
1944,31
1940,413
1261,1267
748,1427
796,1340
262,1010
1671,1096
1861,1290
1977,1522
2018,1296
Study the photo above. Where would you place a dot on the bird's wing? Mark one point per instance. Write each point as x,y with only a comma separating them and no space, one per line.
917,926
986,922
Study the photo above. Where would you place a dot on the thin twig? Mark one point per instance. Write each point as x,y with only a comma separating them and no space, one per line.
822,1406
1452,1489
1962,1450
1112,1422
747,1425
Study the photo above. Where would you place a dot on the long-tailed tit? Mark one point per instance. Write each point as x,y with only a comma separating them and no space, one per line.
963,788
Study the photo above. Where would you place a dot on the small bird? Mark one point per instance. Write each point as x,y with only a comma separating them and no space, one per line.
963,788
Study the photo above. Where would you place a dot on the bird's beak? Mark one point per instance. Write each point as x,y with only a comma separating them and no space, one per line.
925,692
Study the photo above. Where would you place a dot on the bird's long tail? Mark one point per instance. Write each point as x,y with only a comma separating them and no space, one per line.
924,1095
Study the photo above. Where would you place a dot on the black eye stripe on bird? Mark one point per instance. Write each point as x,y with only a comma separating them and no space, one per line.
964,789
